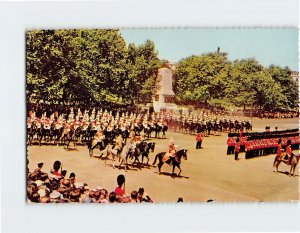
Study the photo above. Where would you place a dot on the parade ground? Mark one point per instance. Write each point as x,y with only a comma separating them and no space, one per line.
208,173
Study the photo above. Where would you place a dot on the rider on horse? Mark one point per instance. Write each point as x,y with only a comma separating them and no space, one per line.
119,143
172,150
288,151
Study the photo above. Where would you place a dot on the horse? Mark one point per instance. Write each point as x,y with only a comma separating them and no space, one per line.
124,155
147,147
94,143
147,132
110,150
136,152
175,161
293,162
157,130
30,133
164,130
66,137
248,126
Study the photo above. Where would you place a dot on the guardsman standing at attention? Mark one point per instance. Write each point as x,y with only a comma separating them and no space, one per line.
198,140
237,149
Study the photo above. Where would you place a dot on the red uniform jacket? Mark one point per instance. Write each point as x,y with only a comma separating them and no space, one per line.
199,137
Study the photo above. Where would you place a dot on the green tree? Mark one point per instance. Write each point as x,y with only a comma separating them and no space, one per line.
75,65
288,87
142,66
201,78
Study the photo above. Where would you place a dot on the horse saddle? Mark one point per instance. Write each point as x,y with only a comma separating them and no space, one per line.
166,157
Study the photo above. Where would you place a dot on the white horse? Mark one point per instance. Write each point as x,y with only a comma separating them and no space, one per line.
109,150
124,155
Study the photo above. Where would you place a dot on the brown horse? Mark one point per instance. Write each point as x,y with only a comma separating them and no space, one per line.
175,161
292,162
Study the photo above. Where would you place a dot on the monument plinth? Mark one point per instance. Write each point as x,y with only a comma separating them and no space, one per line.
164,97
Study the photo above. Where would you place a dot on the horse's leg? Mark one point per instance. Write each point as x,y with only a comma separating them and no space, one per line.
142,158
125,163
113,159
173,169
290,174
179,169
274,164
293,170
277,165
159,166
91,152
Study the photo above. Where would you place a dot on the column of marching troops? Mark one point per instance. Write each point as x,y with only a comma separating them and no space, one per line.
100,120
263,143
97,121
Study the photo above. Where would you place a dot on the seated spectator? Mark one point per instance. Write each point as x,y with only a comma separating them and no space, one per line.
54,172
72,179
142,196
134,196
38,170
103,196
75,195
180,199
112,197
35,198
44,195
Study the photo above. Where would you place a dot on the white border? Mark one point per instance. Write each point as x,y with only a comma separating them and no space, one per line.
15,18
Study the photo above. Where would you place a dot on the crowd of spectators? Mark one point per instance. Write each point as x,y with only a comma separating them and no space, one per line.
57,187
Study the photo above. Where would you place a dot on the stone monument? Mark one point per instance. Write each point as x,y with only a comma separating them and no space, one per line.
164,97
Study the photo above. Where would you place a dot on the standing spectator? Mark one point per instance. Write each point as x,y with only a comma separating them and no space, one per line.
237,149
121,181
199,138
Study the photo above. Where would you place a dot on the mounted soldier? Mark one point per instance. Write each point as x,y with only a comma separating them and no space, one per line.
171,151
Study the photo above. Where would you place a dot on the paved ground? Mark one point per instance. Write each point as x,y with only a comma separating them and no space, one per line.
207,174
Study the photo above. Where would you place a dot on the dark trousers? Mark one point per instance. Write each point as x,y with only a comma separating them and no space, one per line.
236,155
230,150
198,144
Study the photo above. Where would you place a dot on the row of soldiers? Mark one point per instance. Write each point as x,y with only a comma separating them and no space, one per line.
103,119
259,147
89,124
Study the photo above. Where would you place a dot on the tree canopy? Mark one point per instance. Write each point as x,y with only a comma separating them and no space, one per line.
212,78
97,66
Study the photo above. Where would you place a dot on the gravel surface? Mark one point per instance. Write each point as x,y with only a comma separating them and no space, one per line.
208,173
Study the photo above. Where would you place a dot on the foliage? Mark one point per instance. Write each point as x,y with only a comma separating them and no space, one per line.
143,64
212,78
96,66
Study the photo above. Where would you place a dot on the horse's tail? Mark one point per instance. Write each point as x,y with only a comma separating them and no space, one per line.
156,158
154,162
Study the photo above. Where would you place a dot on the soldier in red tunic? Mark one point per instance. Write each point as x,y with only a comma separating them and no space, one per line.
198,141
172,150
237,149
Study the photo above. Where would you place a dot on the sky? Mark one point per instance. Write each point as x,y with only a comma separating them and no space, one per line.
268,46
